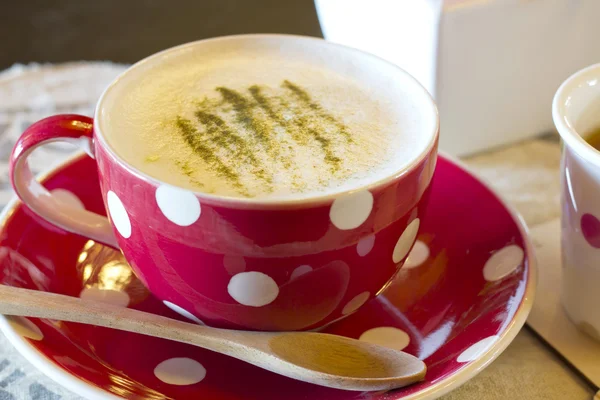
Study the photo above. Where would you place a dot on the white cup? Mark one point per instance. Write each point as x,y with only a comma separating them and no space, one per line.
576,112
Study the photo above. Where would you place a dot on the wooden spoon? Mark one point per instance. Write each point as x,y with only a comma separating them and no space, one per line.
322,359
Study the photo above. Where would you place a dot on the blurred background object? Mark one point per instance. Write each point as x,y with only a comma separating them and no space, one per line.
127,31
493,66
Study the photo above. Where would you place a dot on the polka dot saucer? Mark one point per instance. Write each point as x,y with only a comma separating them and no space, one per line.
459,300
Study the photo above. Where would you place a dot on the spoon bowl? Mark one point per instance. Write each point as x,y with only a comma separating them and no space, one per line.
334,356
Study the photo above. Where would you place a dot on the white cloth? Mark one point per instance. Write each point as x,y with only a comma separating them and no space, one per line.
30,93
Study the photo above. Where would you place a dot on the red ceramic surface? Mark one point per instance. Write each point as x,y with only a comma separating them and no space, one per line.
462,296
237,263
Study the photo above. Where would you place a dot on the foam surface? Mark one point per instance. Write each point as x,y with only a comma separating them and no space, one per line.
266,117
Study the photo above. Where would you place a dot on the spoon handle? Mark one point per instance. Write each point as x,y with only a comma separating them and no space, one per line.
34,303
322,359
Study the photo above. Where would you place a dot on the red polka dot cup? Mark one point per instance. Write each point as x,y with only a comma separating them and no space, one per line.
576,113
245,263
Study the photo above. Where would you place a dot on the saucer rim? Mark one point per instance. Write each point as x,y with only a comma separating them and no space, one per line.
83,388
38,359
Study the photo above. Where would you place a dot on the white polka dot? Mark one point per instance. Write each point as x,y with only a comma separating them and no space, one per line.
114,297
356,303
180,371
234,264
253,289
503,263
25,327
183,312
417,256
351,211
477,350
68,198
406,240
179,206
118,214
365,245
301,270
386,336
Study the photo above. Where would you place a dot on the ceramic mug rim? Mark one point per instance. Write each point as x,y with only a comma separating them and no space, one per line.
266,202
564,124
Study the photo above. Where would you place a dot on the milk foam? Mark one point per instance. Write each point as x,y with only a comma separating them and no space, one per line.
266,116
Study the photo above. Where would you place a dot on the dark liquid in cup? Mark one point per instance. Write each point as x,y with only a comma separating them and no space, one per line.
593,138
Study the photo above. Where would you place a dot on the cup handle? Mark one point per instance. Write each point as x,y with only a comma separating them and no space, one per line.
70,128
